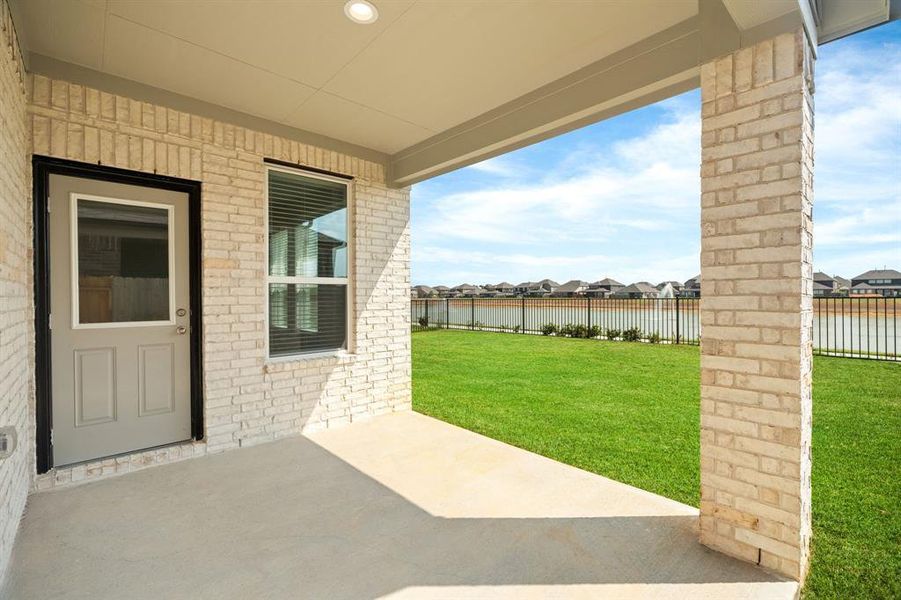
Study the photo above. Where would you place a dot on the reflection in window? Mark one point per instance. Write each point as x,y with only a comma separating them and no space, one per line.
306,254
123,262
309,316
278,309
307,263
306,308
278,253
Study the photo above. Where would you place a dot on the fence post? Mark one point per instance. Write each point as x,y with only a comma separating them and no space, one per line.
472,312
677,319
447,313
589,312
523,302
427,314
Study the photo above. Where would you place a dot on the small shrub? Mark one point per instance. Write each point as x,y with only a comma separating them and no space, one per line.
548,329
566,330
594,331
423,321
633,334
516,328
612,334
580,331
479,325
654,338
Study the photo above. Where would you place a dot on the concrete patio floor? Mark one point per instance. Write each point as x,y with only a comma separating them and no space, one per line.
403,506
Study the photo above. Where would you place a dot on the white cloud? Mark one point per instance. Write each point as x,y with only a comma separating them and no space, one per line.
574,218
854,261
627,206
858,127
869,225
614,191
476,266
857,177
501,166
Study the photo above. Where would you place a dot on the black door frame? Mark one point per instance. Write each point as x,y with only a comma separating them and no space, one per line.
42,168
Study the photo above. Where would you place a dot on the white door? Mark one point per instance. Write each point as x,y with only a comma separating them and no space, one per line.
120,332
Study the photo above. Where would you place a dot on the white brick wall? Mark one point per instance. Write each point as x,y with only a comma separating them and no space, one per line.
16,312
756,306
248,399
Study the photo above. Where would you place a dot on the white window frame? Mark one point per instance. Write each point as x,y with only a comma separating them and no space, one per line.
348,281
74,197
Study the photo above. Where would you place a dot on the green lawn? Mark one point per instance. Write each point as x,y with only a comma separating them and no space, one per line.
630,412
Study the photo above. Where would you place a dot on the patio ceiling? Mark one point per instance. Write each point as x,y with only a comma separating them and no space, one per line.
430,86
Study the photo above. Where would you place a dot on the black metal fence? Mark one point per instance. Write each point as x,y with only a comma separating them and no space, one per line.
857,327
849,327
667,320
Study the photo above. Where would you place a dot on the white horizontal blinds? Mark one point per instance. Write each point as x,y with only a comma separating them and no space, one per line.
307,264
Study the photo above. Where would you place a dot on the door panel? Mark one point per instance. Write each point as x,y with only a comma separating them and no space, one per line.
120,335
156,370
95,386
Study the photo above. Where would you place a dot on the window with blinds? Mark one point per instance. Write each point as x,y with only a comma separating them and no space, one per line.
307,277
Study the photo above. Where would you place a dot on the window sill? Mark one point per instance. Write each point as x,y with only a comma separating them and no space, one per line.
276,363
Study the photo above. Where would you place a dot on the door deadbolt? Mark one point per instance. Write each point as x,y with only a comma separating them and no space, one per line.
181,312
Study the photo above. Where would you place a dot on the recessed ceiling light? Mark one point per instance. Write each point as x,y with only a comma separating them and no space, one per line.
361,11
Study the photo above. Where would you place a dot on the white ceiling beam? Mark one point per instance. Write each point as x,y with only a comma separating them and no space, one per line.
659,66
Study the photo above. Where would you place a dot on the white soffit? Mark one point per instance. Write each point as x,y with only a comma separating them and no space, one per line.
423,67
443,63
432,85
839,18
751,13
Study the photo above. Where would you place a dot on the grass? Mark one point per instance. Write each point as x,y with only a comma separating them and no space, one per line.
631,412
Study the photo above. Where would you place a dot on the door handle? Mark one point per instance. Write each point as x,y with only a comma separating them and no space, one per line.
181,330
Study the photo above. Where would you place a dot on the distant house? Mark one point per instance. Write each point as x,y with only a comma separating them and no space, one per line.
843,285
424,291
523,288
570,289
441,290
603,288
642,289
826,286
465,290
884,282
677,285
488,291
865,290
822,290
549,284
823,284
505,289
536,288
692,288
499,290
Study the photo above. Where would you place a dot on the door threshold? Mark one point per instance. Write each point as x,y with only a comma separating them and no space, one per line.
118,464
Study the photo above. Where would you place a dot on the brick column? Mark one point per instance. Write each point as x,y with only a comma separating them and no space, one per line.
756,307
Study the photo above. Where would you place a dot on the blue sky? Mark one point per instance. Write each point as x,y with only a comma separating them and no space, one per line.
621,198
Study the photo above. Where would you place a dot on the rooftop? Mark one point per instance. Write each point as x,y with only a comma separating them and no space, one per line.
641,286
880,274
